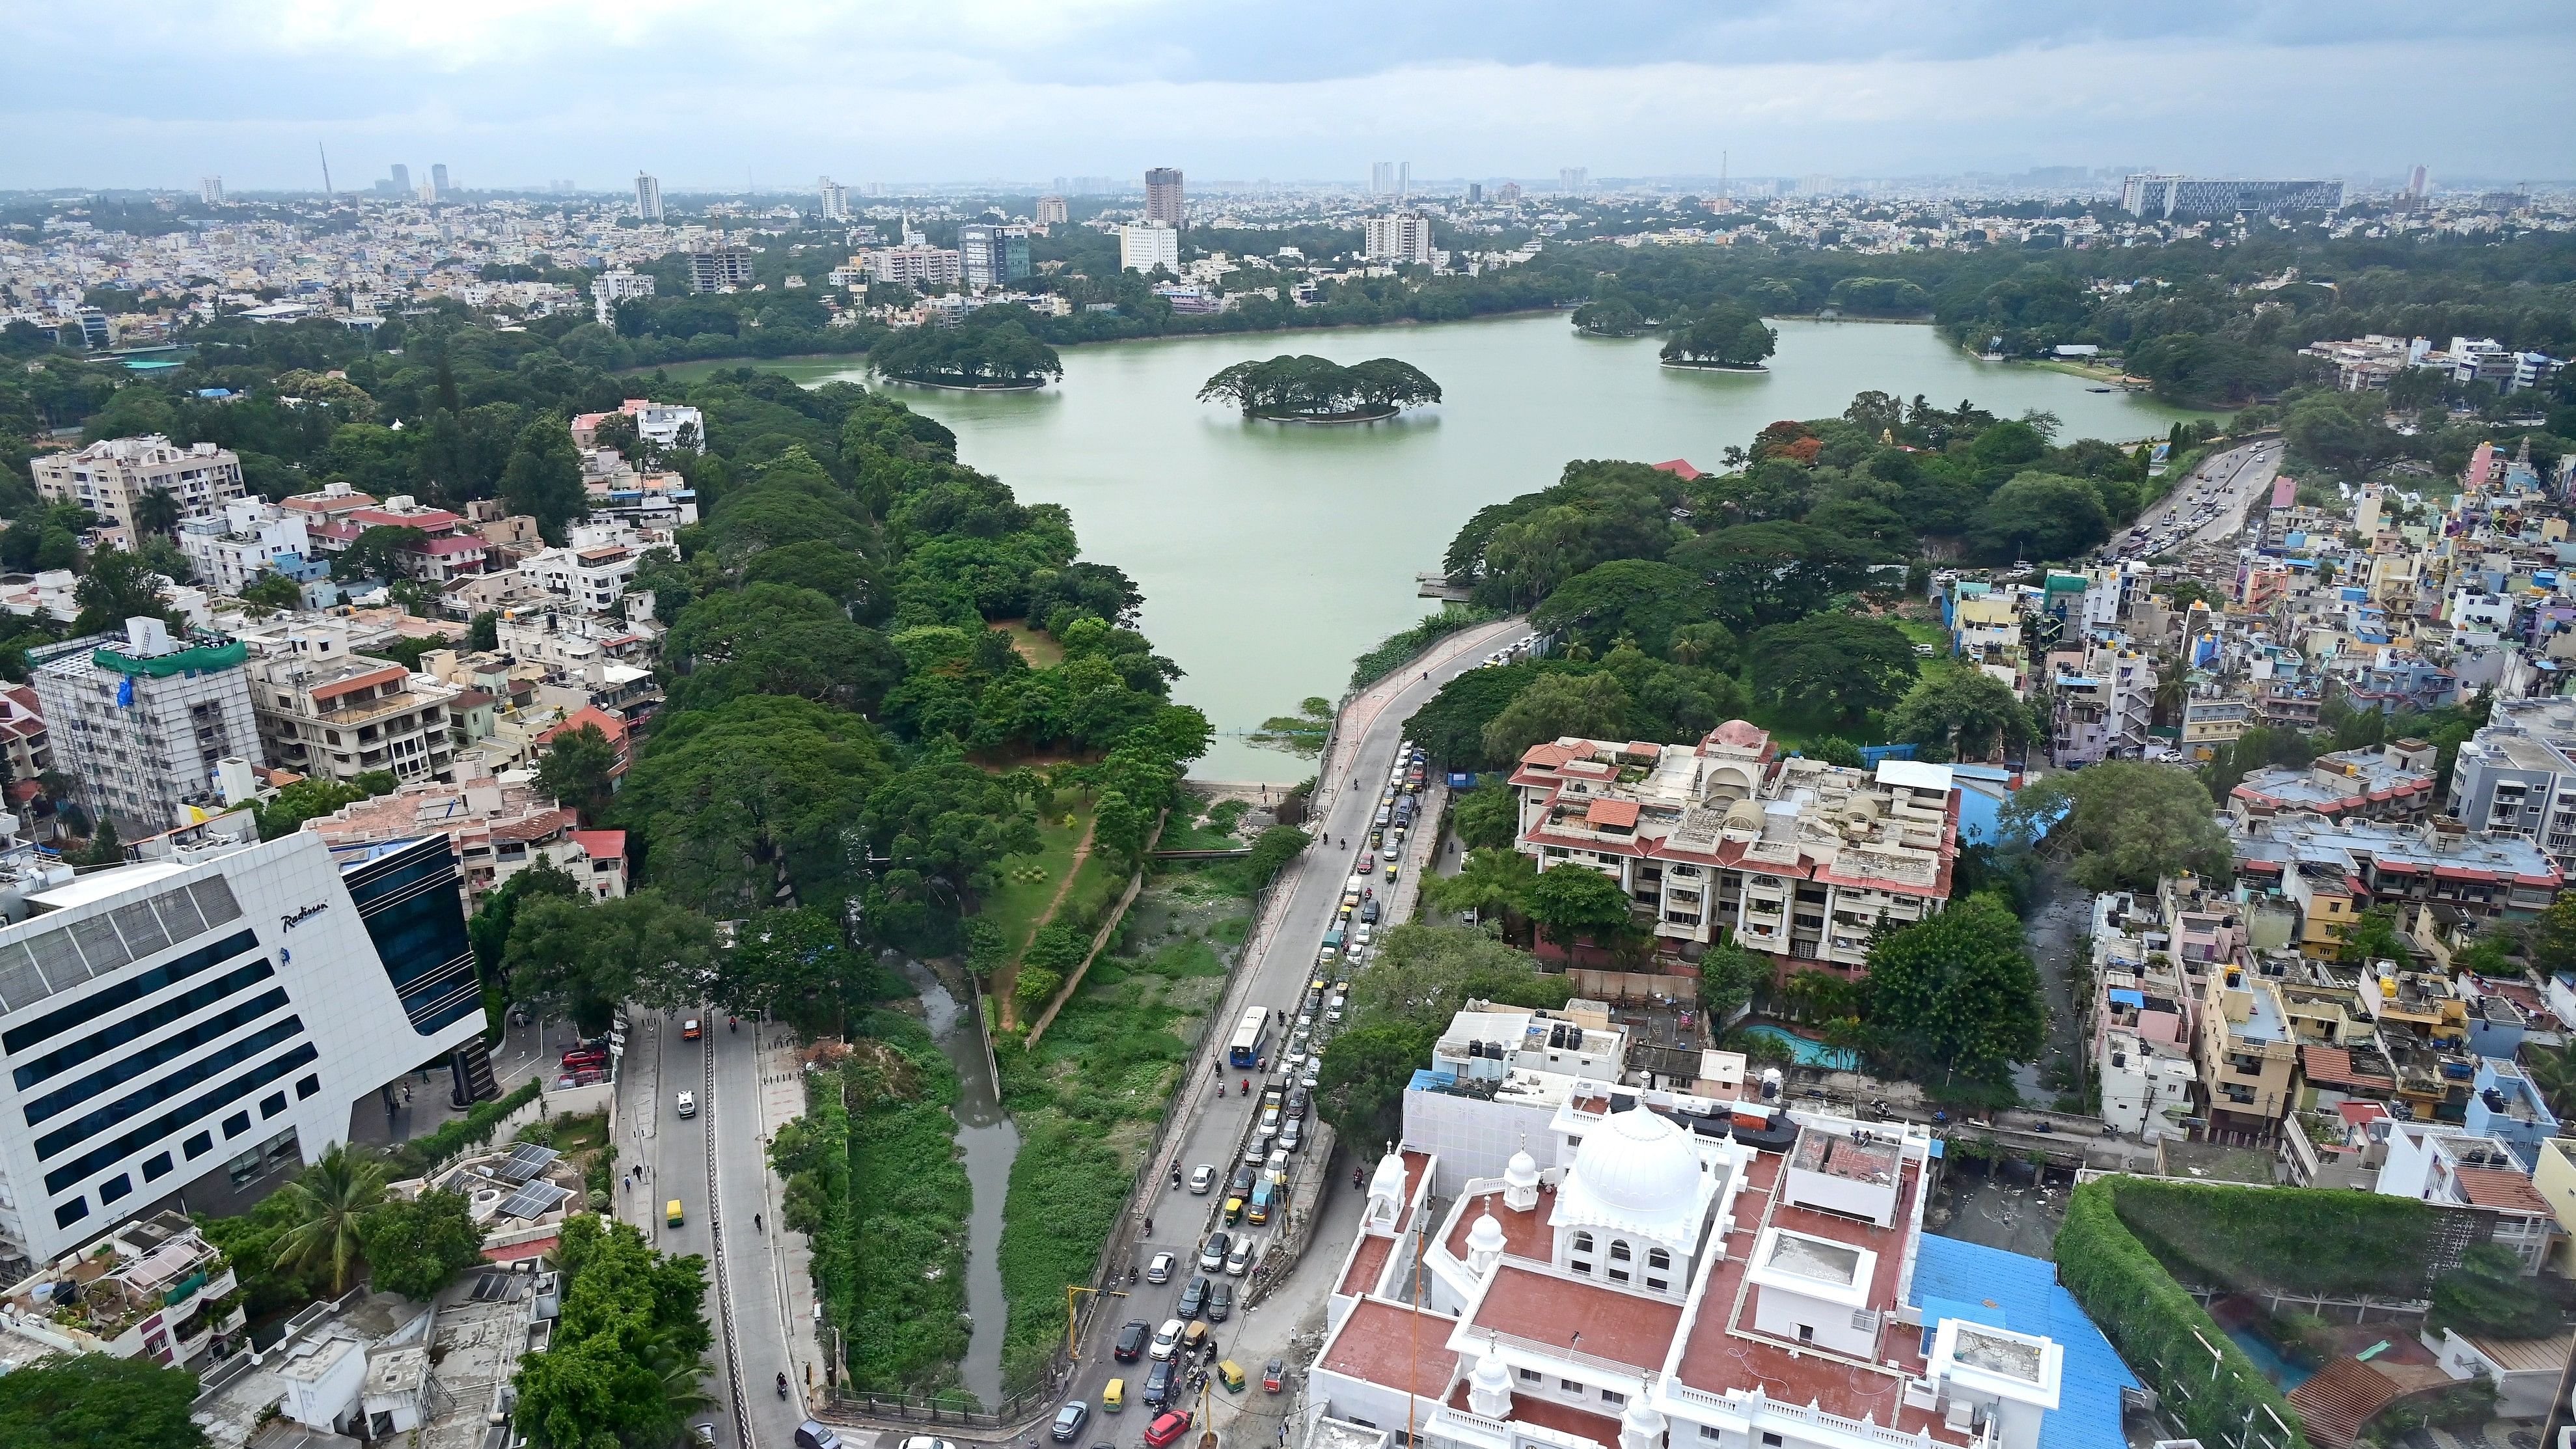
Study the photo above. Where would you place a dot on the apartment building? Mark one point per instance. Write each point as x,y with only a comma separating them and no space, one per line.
2454,1168
1404,240
1728,840
991,254
2331,871
450,550
155,1289
2248,1059
591,571
615,285
2392,782
247,540
496,826
2142,1047
191,1027
917,266
2104,701
672,427
2517,775
23,733
139,723
1143,246
326,711
111,477
1163,204
720,268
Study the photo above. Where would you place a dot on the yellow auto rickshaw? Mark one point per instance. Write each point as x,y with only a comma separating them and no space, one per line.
1195,1337
1233,1210
1113,1396
671,1213
1230,1374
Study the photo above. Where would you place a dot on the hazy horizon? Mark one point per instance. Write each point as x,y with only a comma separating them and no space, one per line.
711,97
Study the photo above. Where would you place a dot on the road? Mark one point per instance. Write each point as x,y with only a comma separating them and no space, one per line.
743,1301
2206,508
1277,978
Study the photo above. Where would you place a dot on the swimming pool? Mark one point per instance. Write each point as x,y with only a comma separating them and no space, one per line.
2279,1370
1809,1053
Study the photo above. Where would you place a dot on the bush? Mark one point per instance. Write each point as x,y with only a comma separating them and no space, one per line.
419,1155
2298,1241
1380,662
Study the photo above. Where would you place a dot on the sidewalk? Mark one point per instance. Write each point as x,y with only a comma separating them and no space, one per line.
782,1100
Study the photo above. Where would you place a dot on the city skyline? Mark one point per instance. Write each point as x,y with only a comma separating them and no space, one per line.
515,96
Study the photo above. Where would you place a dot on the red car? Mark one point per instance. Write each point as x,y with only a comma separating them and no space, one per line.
1167,1427
1275,1377
581,1060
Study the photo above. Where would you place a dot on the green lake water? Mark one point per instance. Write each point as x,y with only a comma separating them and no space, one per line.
1271,554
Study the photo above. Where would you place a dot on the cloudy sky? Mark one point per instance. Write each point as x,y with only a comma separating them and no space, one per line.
709,93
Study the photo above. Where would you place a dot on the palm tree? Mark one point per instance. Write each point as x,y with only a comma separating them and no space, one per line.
2553,1072
2173,689
330,1201
157,513
682,1376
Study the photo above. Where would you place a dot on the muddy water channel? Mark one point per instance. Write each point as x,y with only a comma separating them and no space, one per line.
987,1142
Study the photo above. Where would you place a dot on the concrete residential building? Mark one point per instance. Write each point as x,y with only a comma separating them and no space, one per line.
1402,239
109,478
2248,1057
2517,775
156,1292
451,551
613,286
140,722
2393,782
1726,840
2103,705
593,568
334,714
303,986
23,734
648,197
835,199
246,541
917,266
1631,1279
715,268
672,427
1163,197
2453,1167
1144,246
1052,211
497,827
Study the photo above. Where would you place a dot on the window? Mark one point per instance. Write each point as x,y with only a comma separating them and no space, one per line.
1613,1396
115,1187
1581,1265
306,1086
1806,1333
1583,1242
1658,1258
1656,1283
1570,1386
236,1124
1619,1250
272,1104
199,1145
156,1166
1770,1441
1618,1275
1529,1376
1709,1433
71,1212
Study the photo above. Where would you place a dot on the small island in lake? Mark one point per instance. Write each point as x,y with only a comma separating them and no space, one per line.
1724,338
980,355
1313,390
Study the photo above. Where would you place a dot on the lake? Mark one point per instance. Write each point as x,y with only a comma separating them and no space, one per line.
1272,554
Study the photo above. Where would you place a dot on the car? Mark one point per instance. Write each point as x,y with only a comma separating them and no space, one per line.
1299,1101
1293,1135
689,1030
1069,1421
1194,1297
1158,1383
1241,1256
686,1104
1166,1338
702,1436
1212,1256
1274,1376
1166,1428
1385,813
1368,861
815,1434
1220,1304
1241,1183
1132,1340
1277,1166
1314,1074
1202,1177
925,1441
1160,1270
1368,913
1253,1148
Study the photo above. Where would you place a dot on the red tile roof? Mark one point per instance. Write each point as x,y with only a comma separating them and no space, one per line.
601,844
1585,1317
2332,1066
2501,1189
1680,468
1615,814
1386,1343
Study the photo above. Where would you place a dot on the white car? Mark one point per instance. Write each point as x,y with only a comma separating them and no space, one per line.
686,1105
1166,1338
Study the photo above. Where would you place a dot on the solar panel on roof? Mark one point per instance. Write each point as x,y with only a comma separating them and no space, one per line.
526,1161
533,1199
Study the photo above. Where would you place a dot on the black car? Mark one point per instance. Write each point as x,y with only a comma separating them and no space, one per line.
1220,1303
1194,1297
1242,1184
1131,1341
1158,1385
1296,1101
1069,1421
1368,913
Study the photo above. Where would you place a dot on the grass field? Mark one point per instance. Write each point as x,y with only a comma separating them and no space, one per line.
1039,649
1029,882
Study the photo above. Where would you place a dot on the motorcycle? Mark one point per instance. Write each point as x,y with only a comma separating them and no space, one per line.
1176,1177
1220,1089
1357,1179
1246,1088
782,1385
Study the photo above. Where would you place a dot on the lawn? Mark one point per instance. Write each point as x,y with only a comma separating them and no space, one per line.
1029,882
1926,631
1038,648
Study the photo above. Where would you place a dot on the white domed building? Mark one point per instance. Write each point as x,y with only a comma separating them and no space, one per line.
1670,1272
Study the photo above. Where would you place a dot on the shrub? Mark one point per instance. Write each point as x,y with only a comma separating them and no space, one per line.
1381,661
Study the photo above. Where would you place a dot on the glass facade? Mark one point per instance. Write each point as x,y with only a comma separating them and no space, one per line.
409,898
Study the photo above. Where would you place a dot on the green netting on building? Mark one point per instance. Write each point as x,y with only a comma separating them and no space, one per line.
202,659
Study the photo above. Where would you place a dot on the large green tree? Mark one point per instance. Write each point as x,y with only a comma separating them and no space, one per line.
1957,993
1571,902
1631,598
543,478
781,640
579,769
584,957
1591,706
98,1401
417,1246
748,804
2126,824
1833,668
1965,713
950,824
628,1351
2040,516
1759,574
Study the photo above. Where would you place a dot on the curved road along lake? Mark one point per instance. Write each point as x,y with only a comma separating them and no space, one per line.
1271,554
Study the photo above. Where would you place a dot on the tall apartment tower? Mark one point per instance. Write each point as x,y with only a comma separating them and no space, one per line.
1574,180
402,179
1381,178
1163,197
836,198
140,722
438,180
210,189
1052,211
648,196
2415,183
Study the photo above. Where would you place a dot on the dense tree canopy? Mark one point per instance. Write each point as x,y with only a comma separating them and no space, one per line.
1957,993
1836,668
1313,387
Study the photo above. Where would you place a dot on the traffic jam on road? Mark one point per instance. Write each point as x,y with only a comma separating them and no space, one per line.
2186,515
1249,1196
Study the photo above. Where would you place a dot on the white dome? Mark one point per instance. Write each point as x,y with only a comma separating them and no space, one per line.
1486,1236
1522,1170
1640,1164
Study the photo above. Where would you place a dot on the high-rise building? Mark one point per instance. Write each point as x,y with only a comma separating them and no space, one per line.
438,180
2416,181
1052,211
200,1025
141,722
110,478
1403,179
1143,246
1509,193
1403,240
2169,196
836,199
916,265
718,267
648,196
1381,178
1163,196
402,179
1574,180
1475,193
210,189
992,254
613,286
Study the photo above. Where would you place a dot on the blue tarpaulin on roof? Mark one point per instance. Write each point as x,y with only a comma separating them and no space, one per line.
2026,1295
2127,996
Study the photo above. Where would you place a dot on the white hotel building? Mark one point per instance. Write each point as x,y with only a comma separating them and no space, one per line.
1679,1274
196,1024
